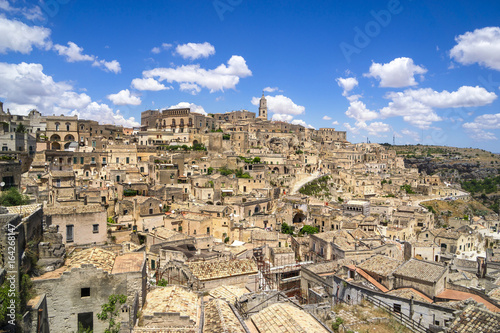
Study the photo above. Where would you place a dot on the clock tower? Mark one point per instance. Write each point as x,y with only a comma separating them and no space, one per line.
263,107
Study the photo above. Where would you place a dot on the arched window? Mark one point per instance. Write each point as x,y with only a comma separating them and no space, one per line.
67,126
57,126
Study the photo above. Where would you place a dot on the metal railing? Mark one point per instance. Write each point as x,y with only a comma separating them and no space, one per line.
399,316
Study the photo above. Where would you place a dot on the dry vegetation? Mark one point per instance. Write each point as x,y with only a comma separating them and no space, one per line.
366,318
457,208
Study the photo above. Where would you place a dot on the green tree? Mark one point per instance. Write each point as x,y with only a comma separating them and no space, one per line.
12,197
308,229
110,312
21,129
210,170
286,229
256,160
162,283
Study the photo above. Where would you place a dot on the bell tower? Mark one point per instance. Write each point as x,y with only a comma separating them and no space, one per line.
263,107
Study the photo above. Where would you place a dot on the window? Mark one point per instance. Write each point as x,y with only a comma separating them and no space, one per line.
67,127
153,264
117,160
95,228
150,211
93,144
81,160
57,126
397,308
104,160
128,160
208,230
75,160
86,320
69,233
85,292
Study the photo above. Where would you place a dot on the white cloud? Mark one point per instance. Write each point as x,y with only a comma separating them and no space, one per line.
477,129
271,89
192,106
158,49
335,123
301,122
481,46
282,117
19,37
417,106
32,14
347,84
191,88
73,52
360,112
280,104
124,97
398,73
148,84
105,115
327,118
375,128
220,78
409,134
24,87
108,66
194,51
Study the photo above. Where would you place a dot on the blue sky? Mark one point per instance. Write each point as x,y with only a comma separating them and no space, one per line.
422,71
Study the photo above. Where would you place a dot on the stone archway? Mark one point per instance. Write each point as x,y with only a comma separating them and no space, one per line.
177,273
299,218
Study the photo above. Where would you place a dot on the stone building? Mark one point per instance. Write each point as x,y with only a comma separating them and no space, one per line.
61,131
76,292
82,224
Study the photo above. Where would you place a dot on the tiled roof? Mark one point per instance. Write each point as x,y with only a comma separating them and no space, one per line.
172,299
229,293
128,263
421,270
461,295
25,210
474,319
408,293
368,278
281,250
359,234
208,270
95,256
286,318
495,294
381,265
66,210
219,317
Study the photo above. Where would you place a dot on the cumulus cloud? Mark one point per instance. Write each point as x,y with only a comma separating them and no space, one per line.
25,86
194,51
124,97
108,66
303,123
158,49
32,13
105,115
19,37
409,134
348,84
192,106
335,123
360,112
398,73
327,118
374,129
280,104
191,88
218,79
73,52
477,129
271,89
148,84
417,106
481,46
282,117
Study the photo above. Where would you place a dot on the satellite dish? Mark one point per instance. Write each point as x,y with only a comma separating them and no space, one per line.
2,184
